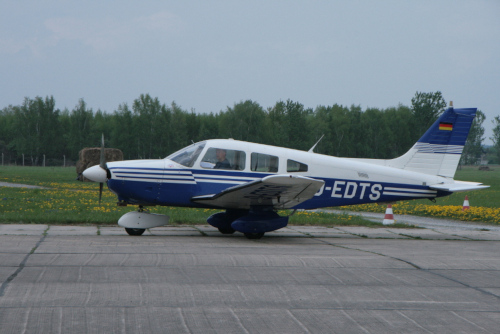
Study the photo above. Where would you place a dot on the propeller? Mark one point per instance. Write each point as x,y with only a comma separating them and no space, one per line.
98,173
102,164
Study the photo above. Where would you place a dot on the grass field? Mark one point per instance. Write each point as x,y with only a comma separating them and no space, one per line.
67,201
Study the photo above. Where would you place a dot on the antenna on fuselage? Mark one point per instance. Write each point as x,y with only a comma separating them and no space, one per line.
311,150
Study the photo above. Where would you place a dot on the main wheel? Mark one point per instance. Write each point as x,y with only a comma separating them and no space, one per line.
135,231
254,235
228,230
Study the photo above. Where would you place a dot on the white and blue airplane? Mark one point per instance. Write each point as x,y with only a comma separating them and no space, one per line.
250,181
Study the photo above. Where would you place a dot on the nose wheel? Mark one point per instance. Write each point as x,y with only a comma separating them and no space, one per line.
135,231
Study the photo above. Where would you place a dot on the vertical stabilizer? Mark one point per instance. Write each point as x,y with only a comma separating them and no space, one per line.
440,148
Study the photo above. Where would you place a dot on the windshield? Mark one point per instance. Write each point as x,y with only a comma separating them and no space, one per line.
188,155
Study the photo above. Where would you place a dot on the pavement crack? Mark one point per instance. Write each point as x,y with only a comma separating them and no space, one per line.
370,252
21,266
462,283
199,230
360,250
414,266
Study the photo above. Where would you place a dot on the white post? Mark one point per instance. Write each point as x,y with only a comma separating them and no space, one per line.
64,160
44,160
23,159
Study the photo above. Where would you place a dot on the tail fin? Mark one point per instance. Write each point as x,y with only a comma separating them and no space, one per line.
438,151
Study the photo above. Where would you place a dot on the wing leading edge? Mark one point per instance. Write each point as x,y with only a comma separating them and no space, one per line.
279,191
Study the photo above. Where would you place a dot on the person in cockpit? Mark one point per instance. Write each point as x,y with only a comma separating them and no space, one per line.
222,162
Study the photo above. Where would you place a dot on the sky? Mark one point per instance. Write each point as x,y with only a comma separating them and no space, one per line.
208,55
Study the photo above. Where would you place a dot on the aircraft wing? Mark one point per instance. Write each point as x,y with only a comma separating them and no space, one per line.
458,186
279,191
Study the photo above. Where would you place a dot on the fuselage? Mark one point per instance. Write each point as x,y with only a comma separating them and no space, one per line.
195,171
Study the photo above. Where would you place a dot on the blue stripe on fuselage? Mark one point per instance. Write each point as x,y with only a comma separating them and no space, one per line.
178,191
338,192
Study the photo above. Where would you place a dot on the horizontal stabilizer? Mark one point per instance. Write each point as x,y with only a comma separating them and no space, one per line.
279,191
458,186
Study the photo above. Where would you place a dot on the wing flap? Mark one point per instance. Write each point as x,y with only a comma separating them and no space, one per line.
279,191
458,186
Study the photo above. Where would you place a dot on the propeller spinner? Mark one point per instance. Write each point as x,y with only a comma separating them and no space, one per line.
98,173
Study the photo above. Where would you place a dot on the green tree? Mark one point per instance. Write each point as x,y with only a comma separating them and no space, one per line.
289,125
163,134
276,116
298,135
244,121
373,142
147,110
37,129
193,126
320,129
177,128
123,132
354,135
399,124
496,137
209,126
102,126
7,119
79,129
426,108
334,123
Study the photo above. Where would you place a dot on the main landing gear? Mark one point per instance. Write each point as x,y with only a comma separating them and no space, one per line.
254,235
222,220
252,223
227,230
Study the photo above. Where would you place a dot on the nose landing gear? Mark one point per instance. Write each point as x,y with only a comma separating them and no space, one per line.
135,231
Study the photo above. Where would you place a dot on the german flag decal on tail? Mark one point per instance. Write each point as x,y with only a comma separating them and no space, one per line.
446,126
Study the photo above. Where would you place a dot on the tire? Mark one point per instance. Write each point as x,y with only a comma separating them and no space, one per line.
229,230
135,231
254,235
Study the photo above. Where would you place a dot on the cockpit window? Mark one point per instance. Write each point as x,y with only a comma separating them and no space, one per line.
293,166
264,163
220,158
188,155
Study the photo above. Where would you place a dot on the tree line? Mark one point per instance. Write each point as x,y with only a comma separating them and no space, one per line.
38,132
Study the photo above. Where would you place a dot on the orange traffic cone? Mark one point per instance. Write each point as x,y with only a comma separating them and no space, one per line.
389,217
466,204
